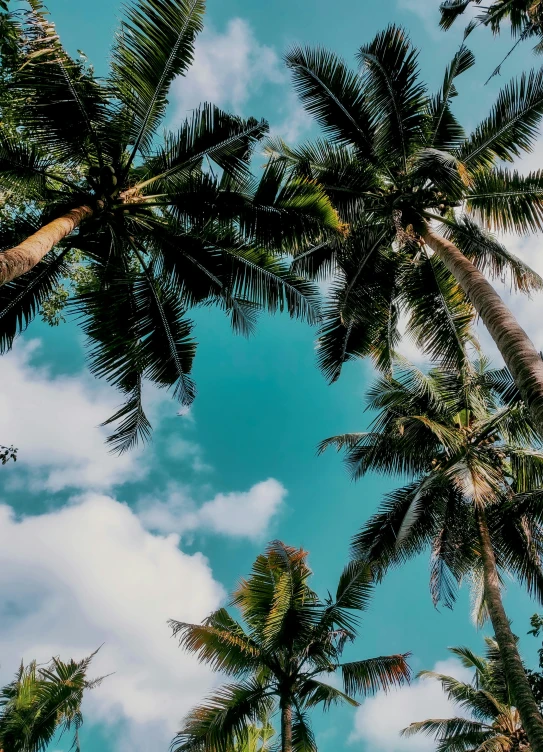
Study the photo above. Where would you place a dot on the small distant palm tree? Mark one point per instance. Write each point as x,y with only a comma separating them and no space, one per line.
493,723
158,225
42,701
399,166
468,445
292,642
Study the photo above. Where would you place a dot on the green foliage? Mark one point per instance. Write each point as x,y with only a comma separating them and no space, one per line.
395,159
42,701
174,225
523,17
290,641
466,442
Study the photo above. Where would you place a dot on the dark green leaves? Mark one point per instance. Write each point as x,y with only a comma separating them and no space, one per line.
393,94
507,200
367,677
333,94
155,44
512,126
43,701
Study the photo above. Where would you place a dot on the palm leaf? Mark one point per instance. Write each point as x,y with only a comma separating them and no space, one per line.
333,94
390,84
512,126
507,200
155,43
369,676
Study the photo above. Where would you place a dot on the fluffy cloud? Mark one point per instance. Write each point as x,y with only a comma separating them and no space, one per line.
90,574
242,514
54,421
379,720
228,68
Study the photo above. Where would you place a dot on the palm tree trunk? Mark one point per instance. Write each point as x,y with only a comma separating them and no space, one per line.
517,680
516,348
24,257
286,727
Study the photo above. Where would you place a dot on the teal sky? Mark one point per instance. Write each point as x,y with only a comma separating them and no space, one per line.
261,409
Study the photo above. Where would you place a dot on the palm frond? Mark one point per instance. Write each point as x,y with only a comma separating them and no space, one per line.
333,95
211,133
220,642
21,299
507,200
303,739
369,676
58,101
512,126
390,83
223,719
154,44
445,131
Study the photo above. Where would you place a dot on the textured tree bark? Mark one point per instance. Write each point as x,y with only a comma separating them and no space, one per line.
286,727
24,257
517,349
532,722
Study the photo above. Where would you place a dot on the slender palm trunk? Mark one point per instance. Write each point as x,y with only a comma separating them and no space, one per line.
24,257
286,727
517,680
516,348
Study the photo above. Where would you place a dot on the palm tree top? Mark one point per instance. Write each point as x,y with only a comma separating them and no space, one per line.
282,651
395,160
489,720
466,444
164,225
43,700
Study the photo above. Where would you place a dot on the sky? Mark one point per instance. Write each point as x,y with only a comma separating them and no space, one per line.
97,550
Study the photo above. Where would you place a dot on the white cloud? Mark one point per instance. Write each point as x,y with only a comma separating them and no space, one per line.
228,68
54,421
232,66
379,720
241,514
90,574
179,448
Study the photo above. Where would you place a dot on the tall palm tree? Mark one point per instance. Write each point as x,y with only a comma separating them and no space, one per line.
396,160
41,701
292,642
493,723
466,443
160,227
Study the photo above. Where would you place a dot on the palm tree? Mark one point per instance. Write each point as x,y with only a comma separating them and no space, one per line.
159,228
493,723
395,160
292,641
42,701
466,443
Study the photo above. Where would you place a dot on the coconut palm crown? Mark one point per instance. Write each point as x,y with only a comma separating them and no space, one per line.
467,444
42,701
492,721
395,160
280,659
157,225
